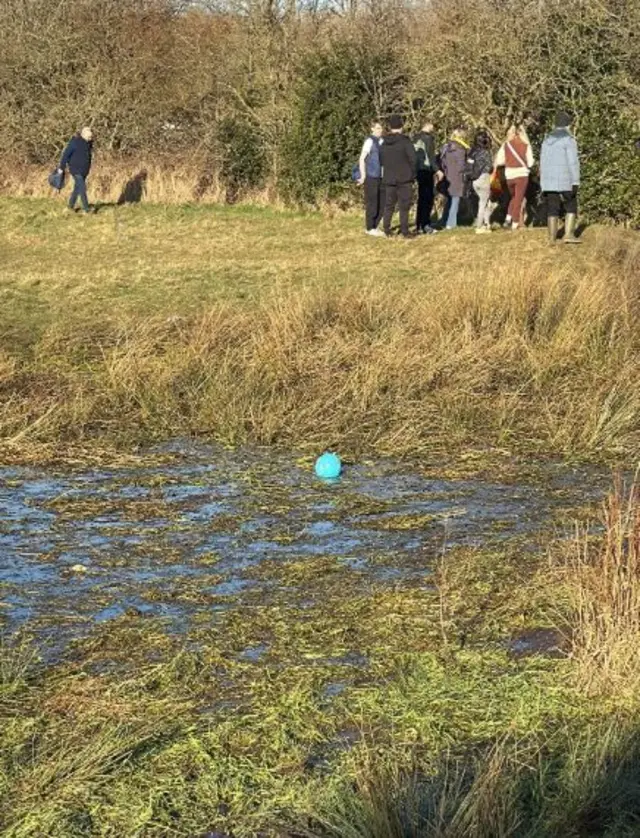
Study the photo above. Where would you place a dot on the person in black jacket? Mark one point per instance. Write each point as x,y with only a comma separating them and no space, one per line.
424,143
398,157
77,156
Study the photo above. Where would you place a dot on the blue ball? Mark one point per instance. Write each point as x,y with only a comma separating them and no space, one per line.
328,466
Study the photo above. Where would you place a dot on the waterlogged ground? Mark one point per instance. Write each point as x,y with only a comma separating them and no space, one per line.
210,531
216,642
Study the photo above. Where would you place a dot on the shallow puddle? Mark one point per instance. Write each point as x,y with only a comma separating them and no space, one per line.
215,530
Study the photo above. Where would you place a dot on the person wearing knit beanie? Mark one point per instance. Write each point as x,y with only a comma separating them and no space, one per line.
563,120
560,178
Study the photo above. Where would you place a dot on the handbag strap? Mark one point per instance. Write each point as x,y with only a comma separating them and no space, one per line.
517,156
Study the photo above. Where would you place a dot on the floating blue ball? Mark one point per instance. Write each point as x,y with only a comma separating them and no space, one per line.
328,466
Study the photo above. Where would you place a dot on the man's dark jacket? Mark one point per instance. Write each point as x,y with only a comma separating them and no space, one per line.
426,159
77,155
398,158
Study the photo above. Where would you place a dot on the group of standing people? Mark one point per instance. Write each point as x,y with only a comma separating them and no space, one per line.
391,163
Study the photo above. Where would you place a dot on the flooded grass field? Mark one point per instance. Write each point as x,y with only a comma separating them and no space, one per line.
214,641
205,639
214,530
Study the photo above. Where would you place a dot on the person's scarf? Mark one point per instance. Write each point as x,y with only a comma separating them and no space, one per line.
456,138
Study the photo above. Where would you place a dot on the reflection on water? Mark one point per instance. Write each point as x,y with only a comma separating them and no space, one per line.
178,540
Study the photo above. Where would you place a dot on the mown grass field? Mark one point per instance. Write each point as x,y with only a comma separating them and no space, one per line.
254,325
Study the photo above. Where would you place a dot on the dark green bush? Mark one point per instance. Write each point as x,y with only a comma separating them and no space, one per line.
610,167
334,105
243,166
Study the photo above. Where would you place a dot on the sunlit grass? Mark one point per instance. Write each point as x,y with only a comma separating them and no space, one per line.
245,324
256,325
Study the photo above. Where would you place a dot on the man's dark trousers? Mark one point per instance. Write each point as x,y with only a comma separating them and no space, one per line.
425,198
400,194
373,201
79,191
557,200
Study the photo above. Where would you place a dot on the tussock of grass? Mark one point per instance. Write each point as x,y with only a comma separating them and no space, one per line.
566,783
603,585
329,341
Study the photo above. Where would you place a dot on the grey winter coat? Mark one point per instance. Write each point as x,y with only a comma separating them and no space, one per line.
559,162
453,158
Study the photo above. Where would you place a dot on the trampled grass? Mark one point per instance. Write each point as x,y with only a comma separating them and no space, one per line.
247,324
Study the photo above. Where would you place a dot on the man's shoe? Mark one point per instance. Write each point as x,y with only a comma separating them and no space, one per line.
377,233
570,229
552,227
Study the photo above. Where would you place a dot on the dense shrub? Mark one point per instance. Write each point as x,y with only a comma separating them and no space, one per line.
243,162
335,100
611,168
281,94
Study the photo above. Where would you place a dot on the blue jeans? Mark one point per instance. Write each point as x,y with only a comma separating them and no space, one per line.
79,191
451,212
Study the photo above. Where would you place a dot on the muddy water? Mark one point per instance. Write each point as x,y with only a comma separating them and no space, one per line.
194,536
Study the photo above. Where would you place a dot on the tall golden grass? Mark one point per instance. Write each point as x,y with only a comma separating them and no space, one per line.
603,582
167,181
508,344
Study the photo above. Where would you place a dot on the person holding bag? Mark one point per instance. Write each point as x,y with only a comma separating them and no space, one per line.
516,155
77,156
480,168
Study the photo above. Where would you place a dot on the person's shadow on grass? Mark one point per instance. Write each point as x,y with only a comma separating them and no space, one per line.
134,189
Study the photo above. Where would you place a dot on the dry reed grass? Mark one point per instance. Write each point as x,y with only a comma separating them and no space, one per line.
166,181
277,329
603,583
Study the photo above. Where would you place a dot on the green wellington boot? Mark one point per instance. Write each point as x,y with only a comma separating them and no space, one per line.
552,226
570,229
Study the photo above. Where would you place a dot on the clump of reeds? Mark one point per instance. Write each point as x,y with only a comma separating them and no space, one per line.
604,589
564,783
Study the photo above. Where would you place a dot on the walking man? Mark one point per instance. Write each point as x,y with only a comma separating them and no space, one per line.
560,178
425,145
371,179
398,174
77,156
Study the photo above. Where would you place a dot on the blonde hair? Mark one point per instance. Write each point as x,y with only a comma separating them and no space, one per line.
519,131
